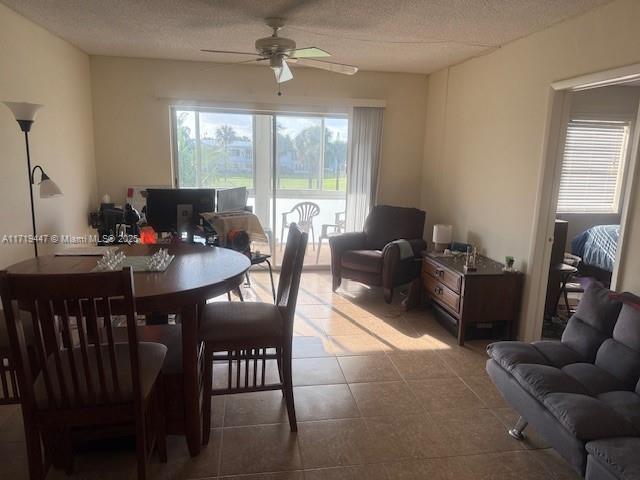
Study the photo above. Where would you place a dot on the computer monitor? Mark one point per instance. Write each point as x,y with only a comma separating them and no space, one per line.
178,209
232,199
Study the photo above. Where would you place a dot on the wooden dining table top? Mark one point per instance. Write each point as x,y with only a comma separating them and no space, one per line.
195,269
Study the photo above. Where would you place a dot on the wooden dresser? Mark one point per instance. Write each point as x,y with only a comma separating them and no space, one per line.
484,303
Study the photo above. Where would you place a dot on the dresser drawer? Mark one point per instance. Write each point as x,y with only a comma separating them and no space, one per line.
442,293
447,277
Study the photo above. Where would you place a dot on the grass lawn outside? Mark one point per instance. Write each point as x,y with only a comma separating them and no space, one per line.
286,183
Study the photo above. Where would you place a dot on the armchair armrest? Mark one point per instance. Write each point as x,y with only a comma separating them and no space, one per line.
418,245
340,244
393,266
347,241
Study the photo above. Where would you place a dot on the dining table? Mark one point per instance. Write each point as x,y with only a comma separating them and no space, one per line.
196,273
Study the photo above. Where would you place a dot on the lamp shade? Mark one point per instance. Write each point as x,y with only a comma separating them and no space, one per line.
23,110
48,188
442,234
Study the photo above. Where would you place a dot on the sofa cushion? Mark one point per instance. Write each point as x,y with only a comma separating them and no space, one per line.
546,352
541,380
599,307
593,321
619,455
621,361
510,354
363,260
627,329
557,353
626,404
583,338
594,379
588,418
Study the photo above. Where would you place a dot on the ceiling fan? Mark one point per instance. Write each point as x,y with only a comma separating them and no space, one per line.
280,52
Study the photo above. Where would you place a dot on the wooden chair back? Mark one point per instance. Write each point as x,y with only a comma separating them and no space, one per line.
78,371
290,273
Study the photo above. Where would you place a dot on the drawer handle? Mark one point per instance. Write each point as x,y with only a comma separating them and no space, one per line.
439,272
438,290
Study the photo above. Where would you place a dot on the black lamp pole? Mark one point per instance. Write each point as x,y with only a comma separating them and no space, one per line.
25,126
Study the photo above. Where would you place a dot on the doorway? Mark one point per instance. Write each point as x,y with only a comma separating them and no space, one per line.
593,174
565,126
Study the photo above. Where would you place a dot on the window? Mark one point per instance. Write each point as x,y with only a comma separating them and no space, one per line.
214,149
312,153
593,167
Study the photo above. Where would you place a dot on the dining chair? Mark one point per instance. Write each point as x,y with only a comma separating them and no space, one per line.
247,335
84,383
306,211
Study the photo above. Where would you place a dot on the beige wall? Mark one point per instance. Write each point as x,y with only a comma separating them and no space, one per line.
38,67
132,121
485,128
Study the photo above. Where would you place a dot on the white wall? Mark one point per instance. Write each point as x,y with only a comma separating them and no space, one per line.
131,99
38,67
485,129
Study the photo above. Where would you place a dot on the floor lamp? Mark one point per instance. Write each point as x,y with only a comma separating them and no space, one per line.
25,114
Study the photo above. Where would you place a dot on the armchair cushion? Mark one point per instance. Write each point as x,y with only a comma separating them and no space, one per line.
363,260
386,223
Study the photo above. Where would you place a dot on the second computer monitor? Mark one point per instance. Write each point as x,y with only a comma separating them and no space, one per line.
232,199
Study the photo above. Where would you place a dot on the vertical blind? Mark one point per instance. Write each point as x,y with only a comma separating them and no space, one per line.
592,167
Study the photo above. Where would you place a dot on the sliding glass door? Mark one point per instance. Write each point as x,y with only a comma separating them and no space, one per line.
294,167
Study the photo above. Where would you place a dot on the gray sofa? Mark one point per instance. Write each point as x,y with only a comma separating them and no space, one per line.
582,394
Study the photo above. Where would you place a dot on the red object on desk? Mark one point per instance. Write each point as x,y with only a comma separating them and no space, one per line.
148,235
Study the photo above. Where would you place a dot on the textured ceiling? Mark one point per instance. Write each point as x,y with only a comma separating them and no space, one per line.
418,36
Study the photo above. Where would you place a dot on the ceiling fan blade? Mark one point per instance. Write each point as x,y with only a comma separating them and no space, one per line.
227,64
283,73
309,52
330,66
228,51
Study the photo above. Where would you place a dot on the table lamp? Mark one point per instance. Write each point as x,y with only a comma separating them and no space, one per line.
25,114
442,236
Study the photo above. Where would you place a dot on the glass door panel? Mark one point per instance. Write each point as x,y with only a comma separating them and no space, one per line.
283,160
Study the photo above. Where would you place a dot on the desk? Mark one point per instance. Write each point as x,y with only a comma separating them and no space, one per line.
196,274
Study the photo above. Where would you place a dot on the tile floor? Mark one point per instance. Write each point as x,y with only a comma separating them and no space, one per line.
380,394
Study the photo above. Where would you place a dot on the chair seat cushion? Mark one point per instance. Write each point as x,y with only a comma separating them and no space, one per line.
363,260
168,335
618,455
234,322
151,357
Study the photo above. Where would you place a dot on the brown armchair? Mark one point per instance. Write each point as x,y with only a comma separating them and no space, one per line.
369,257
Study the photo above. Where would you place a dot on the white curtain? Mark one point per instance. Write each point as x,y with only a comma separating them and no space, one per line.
363,165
